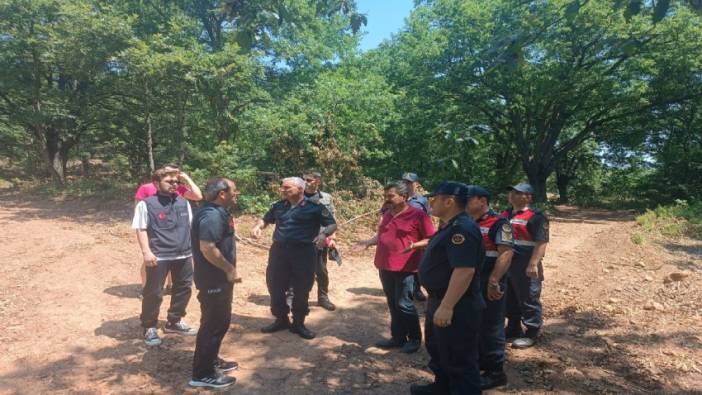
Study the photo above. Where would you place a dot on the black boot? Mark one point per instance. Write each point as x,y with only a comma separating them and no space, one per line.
324,302
298,326
492,378
279,324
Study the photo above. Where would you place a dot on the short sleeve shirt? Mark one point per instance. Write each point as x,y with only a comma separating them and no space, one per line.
395,233
457,244
298,223
212,223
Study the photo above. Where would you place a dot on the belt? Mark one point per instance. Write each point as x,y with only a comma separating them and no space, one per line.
292,243
526,243
491,254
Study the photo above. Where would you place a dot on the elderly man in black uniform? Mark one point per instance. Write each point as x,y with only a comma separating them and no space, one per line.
450,272
291,261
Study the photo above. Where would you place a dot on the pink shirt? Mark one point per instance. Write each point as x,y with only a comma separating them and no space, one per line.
396,233
149,189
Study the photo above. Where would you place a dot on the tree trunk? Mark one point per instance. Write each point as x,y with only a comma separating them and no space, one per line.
562,181
537,179
53,153
150,142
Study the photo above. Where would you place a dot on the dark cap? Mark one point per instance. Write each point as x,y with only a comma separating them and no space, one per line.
411,177
450,188
477,191
522,187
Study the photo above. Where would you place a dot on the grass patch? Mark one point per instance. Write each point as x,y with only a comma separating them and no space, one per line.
81,188
637,238
679,219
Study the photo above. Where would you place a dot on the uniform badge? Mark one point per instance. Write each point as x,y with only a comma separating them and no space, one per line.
545,225
325,212
506,232
458,239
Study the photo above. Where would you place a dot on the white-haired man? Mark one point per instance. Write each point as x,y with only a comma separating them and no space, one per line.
291,261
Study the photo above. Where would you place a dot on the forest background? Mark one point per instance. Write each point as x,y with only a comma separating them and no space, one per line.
594,102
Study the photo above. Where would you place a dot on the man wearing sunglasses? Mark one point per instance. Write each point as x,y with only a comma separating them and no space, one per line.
162,224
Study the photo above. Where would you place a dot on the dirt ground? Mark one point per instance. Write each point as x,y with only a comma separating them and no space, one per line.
615,321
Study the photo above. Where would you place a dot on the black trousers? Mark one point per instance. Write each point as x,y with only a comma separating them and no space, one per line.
322,274
290,265
524,296
216,307
453,350
399,291
182,274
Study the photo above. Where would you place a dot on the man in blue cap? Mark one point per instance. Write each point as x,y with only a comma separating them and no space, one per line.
497,237
450,272
417,200
530,231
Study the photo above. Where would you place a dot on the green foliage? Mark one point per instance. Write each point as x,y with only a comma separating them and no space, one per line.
597,101
679,219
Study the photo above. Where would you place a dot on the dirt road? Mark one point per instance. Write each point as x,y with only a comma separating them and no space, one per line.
69,309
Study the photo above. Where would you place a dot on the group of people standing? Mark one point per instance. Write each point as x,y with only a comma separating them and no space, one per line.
478,268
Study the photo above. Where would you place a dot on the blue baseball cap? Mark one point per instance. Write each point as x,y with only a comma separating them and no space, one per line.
450,188
411,177
477,191
522,187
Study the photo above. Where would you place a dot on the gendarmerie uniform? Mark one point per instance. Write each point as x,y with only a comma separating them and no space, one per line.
454,349
291,261
496,231
529,226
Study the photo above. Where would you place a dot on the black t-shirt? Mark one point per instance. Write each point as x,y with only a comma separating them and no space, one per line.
212,223
300,223
458,244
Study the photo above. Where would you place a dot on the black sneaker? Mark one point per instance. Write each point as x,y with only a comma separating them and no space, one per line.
214,381
390,343
300,329
278,325
492,379
411,346
180,328
225,366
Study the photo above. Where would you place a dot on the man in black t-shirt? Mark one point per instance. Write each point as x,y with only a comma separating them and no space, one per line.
214,253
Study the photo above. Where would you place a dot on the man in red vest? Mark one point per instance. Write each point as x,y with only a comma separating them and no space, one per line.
530,232
498,239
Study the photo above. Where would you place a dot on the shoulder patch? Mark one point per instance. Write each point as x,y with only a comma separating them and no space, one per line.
325,212
458,239
545,225
506,228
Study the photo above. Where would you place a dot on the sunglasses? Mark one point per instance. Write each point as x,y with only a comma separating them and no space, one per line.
172,182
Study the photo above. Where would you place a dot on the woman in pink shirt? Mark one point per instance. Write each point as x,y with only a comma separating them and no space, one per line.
397,259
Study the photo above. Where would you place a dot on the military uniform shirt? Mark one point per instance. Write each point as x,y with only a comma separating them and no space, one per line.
299,223
458,244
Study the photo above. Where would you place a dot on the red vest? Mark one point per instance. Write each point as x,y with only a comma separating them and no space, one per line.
486,222
519,222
